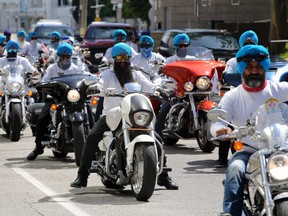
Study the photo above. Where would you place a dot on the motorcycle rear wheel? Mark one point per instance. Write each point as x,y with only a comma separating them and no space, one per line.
144,171
15,122
281,208
79,139
201,135
59,154
170,140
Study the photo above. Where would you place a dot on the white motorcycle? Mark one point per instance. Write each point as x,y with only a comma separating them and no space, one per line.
14,99
266,188
130,153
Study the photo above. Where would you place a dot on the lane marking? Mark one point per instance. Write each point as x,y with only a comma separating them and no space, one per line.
66,203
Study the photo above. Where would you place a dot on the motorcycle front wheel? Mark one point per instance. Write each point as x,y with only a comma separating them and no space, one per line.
201,135
281,208
15,122
79,139
144,171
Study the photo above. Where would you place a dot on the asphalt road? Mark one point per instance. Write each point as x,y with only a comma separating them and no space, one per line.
41,187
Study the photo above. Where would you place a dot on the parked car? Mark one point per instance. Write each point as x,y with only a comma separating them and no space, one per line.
98,38
222,44
44,28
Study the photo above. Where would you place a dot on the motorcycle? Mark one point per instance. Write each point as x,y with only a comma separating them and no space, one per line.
14,98
266,188
71,115
130,153
194,79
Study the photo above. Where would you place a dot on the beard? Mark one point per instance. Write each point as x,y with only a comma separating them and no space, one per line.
254,80
123,72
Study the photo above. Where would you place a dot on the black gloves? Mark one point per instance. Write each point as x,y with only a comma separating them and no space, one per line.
163,93
93,89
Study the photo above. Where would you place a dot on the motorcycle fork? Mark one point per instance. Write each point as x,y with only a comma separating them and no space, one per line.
194,112
268,201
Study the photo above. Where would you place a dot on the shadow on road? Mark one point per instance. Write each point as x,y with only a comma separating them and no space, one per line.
204,167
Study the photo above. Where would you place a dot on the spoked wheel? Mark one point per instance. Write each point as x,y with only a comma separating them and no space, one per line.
144,171
201,135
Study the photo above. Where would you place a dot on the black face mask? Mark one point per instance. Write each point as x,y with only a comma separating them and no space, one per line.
123,72
181,52
11,54
64,64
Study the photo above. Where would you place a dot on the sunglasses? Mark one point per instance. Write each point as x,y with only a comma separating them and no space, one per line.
145,45
2,45
122,57
248,58
12,50
33,38
182,45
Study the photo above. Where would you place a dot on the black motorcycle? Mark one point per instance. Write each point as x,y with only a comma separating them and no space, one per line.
71,114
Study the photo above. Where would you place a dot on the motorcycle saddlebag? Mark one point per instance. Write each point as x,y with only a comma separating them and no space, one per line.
34,111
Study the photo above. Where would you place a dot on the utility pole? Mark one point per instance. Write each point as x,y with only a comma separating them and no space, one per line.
97,10
83,23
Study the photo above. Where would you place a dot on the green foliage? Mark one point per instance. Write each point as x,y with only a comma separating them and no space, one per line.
136,9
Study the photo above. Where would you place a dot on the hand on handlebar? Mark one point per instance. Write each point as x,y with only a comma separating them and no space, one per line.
223,131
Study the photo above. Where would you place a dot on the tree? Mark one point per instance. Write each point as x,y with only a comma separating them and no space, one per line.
278,27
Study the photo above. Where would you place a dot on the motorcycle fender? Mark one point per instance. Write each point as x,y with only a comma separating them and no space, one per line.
113,118
143,138
280,196
206,105
14,100
76,117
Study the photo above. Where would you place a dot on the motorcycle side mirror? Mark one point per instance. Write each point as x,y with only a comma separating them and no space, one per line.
216,115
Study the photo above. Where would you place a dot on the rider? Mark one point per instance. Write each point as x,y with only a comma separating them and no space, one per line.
239,103
2,46
181,42
65,66
34,48
248,37
12,48
118,35
7,33
21,39
55,40
116,78
142,59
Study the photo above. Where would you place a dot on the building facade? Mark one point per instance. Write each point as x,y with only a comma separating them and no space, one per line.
22,14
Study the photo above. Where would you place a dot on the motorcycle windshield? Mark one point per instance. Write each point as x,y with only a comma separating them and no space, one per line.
271,120
14,72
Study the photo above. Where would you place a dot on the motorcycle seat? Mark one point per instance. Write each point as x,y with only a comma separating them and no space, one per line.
35,108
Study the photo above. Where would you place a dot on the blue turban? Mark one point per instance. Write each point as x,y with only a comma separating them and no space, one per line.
32,34
248,34
118,32
64,48
56,34
2,39
121,48
12,43
180,37
146,39
21,33
252,50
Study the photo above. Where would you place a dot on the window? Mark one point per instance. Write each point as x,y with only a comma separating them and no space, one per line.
204,3
235,2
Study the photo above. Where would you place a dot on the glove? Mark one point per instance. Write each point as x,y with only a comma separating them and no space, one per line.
163,93
93,89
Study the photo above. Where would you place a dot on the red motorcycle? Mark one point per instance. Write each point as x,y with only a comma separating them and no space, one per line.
194,79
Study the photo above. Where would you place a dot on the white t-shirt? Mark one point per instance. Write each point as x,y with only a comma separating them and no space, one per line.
19,61
109,80
240,104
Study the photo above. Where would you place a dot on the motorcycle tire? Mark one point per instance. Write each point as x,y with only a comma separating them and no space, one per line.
79,139
201,135
15,122
281,207
59,154
144,174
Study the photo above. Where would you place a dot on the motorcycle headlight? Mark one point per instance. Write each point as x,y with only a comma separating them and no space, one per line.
15,87
73,96
142,118
203,83
188,86
278,166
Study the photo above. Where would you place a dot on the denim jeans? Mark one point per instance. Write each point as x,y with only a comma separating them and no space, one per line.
161,117
234,183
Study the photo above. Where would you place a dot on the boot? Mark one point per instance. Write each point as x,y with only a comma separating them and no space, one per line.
79,182
165,180
221,163
38,150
